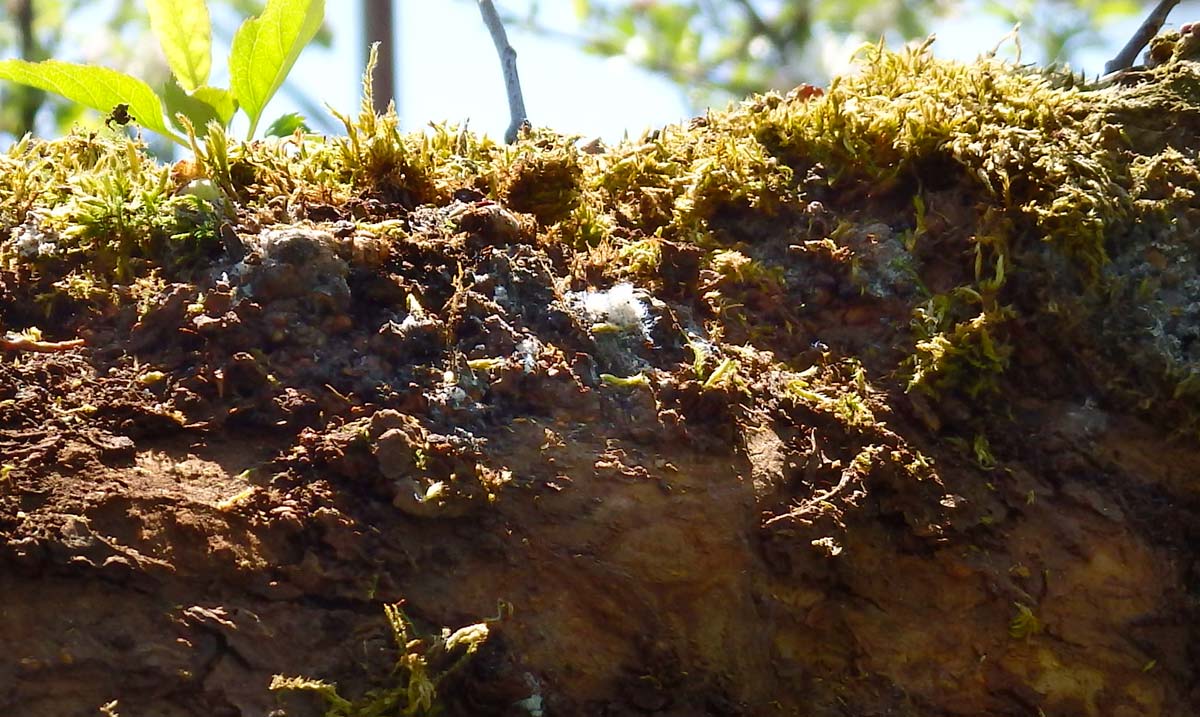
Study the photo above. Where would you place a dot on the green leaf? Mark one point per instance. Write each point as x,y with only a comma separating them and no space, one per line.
97,87
206,104
219,99
185,33
266,47
285,125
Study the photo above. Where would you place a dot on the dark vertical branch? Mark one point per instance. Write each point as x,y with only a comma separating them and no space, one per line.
380,28
27,99
508,63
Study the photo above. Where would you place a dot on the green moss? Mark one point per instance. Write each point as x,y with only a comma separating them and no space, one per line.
952,354
837,387
422,665
101,204
1024,624
642,258
1056,177
543,177
1029,145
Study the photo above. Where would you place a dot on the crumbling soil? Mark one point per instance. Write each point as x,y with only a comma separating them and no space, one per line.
231,484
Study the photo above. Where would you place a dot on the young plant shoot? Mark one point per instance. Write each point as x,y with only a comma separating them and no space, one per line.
265,49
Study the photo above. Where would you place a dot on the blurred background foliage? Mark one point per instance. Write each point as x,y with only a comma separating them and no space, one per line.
723,49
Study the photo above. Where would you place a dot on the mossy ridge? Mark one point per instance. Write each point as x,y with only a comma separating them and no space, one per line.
98,203
1040,156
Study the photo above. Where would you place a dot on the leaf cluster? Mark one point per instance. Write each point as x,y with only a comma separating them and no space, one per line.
265,49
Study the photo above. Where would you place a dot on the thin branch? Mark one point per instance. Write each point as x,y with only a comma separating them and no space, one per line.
508,64
1154,22
28,100
762,28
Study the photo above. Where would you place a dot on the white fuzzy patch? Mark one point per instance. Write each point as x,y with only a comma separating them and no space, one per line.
618,306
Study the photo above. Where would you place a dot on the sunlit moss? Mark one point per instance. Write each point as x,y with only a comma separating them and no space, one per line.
422,665
837,387
962,354
1024,624
642,257
99,203
1055,173
543,178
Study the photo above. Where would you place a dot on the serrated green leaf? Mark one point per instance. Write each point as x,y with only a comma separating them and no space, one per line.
206,104
285,125
266,47
100,88
184,31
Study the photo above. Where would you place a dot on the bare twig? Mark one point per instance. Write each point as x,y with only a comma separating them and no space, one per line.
1154,22
508,63
813,506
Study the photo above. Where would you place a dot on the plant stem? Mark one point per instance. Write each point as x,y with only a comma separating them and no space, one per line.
508,64
28,100
380,27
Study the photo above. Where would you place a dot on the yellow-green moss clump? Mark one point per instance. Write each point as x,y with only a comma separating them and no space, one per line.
421,665
1006,195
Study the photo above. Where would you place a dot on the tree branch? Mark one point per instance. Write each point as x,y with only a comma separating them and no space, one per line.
1148,30
28,100
508,64
762,28
379,19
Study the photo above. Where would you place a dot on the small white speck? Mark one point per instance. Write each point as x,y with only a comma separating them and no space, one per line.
529,349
